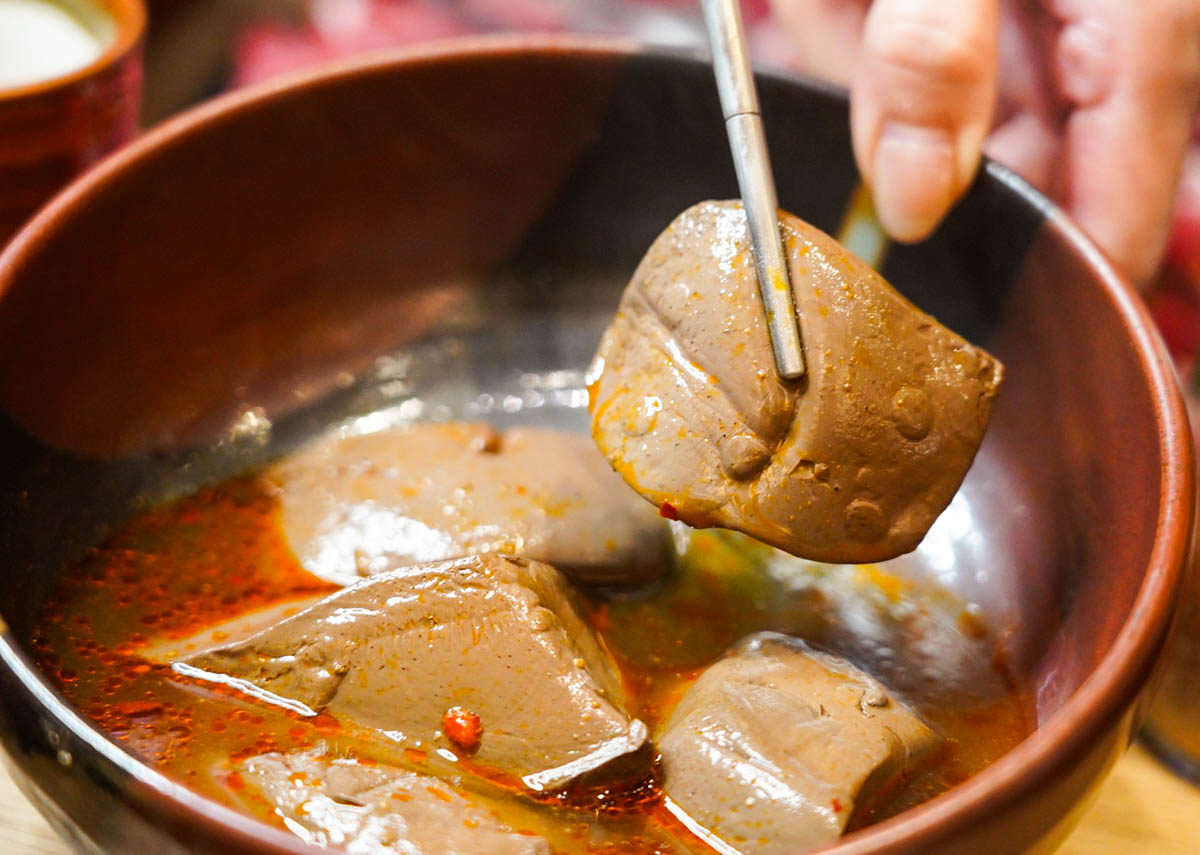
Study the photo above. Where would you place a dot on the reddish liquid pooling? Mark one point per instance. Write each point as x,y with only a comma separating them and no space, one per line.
184,567
167,574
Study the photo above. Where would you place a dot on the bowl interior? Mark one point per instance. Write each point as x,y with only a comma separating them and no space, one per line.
450,238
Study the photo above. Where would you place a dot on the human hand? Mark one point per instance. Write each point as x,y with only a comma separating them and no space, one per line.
1090,100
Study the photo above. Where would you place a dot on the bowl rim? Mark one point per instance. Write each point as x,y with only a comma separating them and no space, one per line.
1095,706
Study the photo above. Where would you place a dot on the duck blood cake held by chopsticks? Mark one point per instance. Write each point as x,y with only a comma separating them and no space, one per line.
852,464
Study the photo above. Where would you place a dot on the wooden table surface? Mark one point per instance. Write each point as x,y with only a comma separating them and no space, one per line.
1142,810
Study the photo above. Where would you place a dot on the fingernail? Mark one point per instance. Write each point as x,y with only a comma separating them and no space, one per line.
914,179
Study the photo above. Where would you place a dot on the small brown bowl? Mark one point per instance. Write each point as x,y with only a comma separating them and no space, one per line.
53,129
260,253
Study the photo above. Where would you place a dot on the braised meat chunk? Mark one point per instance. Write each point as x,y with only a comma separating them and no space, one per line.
378,809
773,747
427,492
485,656
851,465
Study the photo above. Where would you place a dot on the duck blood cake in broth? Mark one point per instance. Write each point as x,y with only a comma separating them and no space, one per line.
852,464
485,704
773,747
498,638
379,809
427,492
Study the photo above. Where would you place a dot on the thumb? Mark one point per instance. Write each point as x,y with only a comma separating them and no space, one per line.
921,105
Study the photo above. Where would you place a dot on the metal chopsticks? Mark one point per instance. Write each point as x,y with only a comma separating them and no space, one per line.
739,104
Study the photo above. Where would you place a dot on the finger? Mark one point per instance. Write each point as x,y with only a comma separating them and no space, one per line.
1132,74
826,34
921,104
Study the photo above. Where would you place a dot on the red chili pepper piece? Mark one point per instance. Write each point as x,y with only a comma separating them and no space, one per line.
463,728
666,509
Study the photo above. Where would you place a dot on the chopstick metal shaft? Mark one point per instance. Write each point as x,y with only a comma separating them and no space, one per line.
747,142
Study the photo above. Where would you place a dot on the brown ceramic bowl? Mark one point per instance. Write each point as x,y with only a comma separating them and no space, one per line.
474,209
52,130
